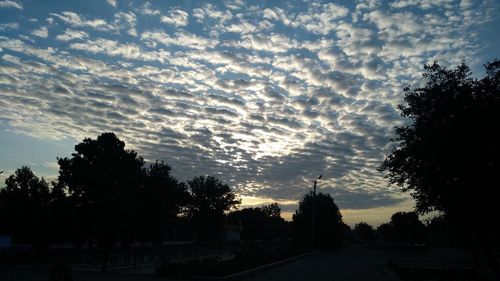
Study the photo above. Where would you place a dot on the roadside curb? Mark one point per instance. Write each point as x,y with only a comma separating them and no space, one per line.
251,271
245,273
392,275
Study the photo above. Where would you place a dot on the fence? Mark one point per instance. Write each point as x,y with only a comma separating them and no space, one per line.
124,258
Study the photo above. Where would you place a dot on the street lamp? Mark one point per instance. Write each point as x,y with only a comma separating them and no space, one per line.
314,211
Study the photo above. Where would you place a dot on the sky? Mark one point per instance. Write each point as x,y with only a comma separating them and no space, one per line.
265,95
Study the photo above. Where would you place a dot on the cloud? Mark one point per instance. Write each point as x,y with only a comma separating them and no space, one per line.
53,165
210,12
9,26
184,39
42,32
243,28
277,14
113,48
275,43
424,4
126,21
71,34
404,3
11,4
146,9
76,20
396,23
176,18
320,20
113,3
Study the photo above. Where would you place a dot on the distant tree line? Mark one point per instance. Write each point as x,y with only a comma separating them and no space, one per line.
403,227
106,195
261,223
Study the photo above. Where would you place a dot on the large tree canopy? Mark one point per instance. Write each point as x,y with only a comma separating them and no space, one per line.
327,220
448,155
403,227
99,168
102,177
210,196
209,200
160,199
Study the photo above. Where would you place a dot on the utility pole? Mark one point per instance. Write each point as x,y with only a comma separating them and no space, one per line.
313,219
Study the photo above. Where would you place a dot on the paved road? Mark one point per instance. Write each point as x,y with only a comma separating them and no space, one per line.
353,263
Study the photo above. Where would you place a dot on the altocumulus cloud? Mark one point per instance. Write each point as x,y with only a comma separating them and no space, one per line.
266,97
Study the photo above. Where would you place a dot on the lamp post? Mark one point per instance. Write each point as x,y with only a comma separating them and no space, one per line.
313,218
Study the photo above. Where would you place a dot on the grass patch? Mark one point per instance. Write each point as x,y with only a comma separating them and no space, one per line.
215,267
423,273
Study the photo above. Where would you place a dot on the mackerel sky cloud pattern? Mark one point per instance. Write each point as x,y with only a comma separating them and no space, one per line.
265,95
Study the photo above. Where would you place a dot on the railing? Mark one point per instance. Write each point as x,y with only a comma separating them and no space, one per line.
118,258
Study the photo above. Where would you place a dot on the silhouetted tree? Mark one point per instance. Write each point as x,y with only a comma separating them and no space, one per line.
102,178
385,231
441,231
448,156
62,222
209,200
260,223
24,208
162,198
364,231
347,233
403,227
327,223
272,210
407,227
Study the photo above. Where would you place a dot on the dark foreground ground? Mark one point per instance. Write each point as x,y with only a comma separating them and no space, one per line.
354,262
